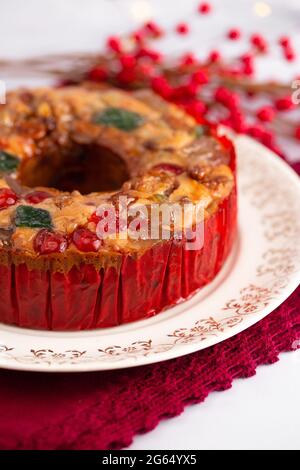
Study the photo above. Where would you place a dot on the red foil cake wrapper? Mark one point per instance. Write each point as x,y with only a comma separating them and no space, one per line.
85,298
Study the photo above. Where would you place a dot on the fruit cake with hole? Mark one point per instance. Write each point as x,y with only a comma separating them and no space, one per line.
66,152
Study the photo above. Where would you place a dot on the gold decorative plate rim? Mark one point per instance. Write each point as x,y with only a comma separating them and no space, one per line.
261,274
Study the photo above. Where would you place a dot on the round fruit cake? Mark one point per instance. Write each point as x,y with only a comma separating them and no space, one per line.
66,152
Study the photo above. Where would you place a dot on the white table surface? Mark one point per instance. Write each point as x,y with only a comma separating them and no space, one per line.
262,412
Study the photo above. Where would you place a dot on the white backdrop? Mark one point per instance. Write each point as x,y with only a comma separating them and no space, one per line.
262,412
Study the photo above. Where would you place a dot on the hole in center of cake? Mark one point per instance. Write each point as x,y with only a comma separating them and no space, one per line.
88,168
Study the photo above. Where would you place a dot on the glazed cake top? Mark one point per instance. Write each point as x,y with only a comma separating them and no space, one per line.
153,152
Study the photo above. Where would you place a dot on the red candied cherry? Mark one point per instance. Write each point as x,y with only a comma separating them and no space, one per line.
7,198
169,167
204,8
182,28
234,34
36,197
284,104
297,133
47,242
108,228
85,240
95,218
266,114
98,218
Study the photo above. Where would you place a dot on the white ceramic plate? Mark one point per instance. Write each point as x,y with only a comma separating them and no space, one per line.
263,270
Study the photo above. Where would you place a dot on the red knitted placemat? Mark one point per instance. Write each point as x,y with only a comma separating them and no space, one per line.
104,410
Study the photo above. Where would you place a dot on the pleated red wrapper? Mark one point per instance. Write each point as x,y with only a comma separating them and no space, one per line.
85,298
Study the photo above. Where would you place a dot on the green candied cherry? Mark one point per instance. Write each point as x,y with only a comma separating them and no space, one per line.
8,162
32,217
120,118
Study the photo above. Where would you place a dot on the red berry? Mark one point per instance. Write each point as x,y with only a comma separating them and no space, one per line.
7,198
47,242
182,28
289,54
114,43
97,74
85,240
36,197
247,58
259,42
227,97
255,131
214,56
169,167
196,109
161,86
284,41
284,104
190,89
155,56
266,114
146,69
200,77
297,133
204,8
188,59
138,36
128,61
248,64
127,76
153,28
234,34
237,120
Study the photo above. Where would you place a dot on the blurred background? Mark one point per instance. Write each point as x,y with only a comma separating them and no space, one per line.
39,27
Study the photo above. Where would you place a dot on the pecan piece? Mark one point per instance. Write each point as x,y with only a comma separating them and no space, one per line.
207,150
155,183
